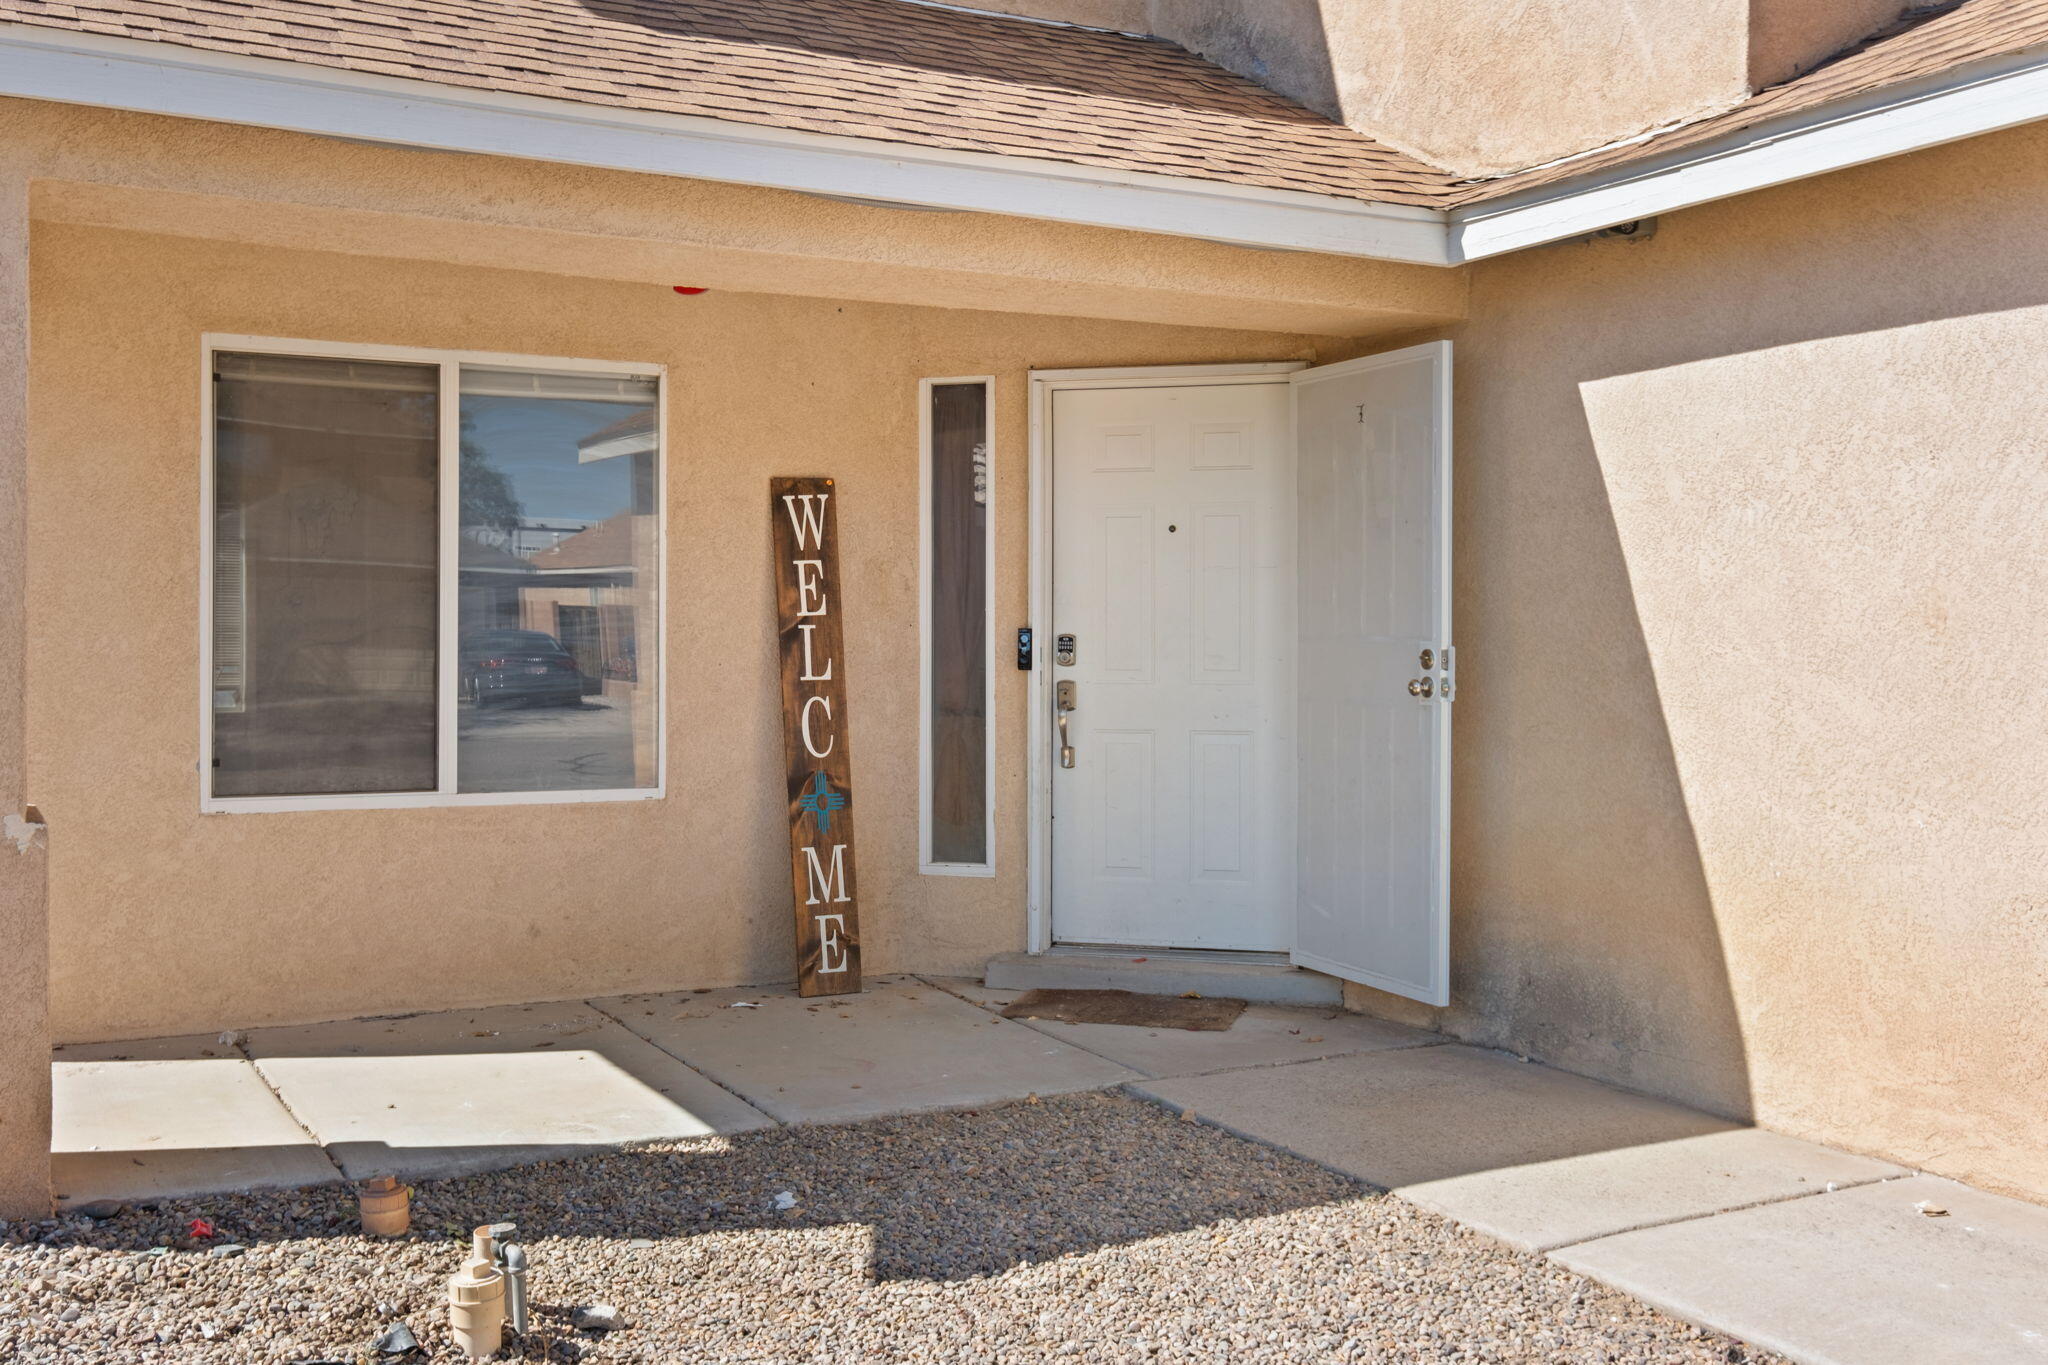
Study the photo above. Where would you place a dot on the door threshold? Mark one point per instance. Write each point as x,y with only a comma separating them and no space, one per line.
1261,978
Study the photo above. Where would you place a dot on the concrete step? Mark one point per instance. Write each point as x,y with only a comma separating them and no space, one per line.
1212,975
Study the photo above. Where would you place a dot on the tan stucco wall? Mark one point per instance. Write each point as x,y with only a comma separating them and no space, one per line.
165,920
1285,38
1789,36
24,961
1752,568
1480,86
108,169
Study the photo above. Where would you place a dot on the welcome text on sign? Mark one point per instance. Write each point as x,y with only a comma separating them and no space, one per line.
814,735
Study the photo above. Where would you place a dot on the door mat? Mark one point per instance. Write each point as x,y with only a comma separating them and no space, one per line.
1196,1013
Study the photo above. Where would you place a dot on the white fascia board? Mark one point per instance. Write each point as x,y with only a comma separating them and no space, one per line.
1982,97
163,78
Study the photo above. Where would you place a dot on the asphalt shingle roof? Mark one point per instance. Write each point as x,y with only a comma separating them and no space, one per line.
896,72
861,68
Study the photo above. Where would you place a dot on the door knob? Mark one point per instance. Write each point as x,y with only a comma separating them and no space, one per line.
1421,687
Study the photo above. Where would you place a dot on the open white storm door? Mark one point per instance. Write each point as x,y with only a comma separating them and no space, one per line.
1375,664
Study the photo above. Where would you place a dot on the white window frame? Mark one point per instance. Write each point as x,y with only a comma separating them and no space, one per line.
925,863
449,472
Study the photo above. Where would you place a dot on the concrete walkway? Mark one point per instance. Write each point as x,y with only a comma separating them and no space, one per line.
1820,1255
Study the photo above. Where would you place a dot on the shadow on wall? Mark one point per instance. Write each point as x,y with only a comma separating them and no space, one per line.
1734,507
1584,930
1281,44
950,43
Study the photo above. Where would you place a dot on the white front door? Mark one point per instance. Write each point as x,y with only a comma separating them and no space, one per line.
1373,442
1173,570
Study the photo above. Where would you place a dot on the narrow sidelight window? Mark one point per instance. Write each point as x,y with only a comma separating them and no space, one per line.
957,819
433,579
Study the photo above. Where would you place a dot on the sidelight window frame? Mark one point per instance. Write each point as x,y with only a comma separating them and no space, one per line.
927,680
448,548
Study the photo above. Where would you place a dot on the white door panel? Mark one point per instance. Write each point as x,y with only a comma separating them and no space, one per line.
1173,569
1372,441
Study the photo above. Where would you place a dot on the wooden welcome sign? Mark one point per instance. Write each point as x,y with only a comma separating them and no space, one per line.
814,746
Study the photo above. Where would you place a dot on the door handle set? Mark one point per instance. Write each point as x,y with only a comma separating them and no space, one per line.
1430,687
1063,706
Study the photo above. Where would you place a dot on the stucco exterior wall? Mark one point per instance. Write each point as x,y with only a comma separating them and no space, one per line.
163,920
1751,567
24,939
1478,86
1787,37
104,168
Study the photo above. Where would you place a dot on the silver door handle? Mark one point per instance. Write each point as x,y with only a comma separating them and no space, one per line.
1063,702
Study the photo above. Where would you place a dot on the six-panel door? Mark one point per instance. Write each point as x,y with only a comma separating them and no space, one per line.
1173,571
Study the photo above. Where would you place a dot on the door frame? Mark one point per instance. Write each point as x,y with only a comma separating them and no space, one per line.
1038,731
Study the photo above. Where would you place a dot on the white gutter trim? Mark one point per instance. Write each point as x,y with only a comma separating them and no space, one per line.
162,78
1962,102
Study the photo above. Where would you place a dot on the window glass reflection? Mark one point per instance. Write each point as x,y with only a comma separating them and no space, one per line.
325,582
557,582
959,624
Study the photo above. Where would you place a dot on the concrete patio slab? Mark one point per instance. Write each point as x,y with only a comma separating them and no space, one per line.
1858,1276
471,1090
167,1117
1536,1157
1727,1226
1264,1035
1549,1204
898,1047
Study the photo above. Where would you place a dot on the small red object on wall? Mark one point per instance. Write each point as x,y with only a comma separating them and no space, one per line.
691,289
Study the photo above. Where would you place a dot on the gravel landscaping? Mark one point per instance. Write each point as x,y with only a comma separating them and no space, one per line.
1085,1228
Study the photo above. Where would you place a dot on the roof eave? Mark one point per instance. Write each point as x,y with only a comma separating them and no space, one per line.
1960,102
161,78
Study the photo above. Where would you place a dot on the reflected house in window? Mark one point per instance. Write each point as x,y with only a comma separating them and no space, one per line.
560,565
582,594
587,596
579,584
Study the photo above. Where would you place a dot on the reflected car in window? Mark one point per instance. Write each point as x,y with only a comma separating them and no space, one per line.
519,666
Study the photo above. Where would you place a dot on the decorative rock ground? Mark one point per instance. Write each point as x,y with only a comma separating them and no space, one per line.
1090,1228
